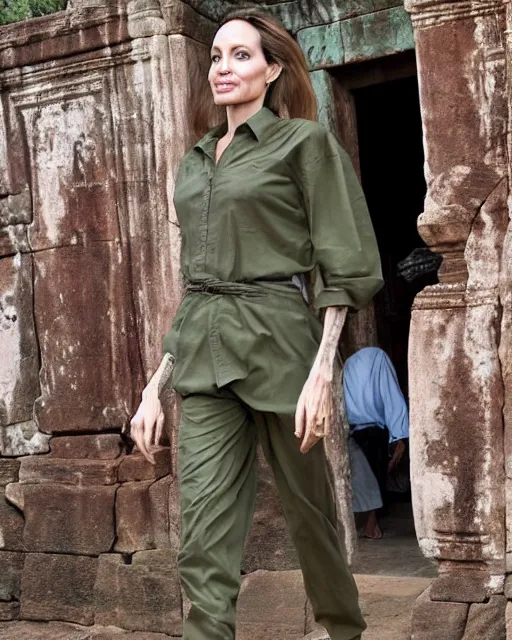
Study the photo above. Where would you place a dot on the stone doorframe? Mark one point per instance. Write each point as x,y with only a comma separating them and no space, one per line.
460,356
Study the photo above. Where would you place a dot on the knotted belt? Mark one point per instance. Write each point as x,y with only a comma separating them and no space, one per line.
253,289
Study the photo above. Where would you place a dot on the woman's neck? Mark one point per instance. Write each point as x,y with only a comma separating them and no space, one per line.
237,114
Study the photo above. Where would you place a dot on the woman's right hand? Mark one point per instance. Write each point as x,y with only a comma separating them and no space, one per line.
148,423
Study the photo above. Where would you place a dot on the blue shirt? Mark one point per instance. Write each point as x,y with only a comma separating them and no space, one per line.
372,393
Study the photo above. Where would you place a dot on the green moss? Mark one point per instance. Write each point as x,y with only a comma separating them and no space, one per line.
14,10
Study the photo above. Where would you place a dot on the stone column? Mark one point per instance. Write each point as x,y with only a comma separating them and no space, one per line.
506,341
455,370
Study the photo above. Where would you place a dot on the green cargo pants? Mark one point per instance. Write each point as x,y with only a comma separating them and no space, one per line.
217,470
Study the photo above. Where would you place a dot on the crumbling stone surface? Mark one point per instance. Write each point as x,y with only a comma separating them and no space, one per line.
46,470
461,586
23,439
19,384
9,611
58,587
135,467
11,525
8,471
486,621
272,600
143,596
432,620
66,519
11,565
104,446
133,518
67,631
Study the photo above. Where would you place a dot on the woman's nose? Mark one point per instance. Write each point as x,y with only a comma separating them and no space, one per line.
224,66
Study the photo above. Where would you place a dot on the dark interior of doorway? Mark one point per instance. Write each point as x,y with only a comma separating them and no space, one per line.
391,156
391,160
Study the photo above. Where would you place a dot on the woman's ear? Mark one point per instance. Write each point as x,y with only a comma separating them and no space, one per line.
273,72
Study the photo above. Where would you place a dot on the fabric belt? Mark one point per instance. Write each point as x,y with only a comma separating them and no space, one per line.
253,289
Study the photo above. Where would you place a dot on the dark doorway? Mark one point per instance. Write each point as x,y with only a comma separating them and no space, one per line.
391,161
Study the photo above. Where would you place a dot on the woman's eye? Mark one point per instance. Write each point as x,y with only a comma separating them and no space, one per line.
242,55
215,59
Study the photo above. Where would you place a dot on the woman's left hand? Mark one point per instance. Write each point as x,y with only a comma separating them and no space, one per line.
315,409
314,413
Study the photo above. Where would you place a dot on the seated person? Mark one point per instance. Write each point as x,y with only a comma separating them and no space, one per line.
377,415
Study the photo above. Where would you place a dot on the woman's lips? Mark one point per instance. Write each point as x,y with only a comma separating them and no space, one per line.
224,87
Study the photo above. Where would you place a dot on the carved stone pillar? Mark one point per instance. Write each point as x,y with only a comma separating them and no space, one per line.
456,382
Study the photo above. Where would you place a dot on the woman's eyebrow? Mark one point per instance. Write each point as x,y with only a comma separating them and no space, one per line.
234,46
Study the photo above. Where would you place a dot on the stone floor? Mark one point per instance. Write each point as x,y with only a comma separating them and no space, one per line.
390,574
397,554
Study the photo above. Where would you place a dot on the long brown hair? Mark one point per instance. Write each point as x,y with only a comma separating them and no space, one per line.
290,96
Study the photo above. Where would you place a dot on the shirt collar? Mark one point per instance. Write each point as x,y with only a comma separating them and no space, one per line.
258,124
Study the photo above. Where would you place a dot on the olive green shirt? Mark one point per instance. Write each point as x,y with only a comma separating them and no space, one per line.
282,200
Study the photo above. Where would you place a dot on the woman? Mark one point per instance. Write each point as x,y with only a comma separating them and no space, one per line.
260,199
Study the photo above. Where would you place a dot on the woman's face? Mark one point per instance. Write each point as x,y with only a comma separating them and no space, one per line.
239,72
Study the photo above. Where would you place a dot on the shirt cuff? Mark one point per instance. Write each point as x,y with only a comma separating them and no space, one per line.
333,298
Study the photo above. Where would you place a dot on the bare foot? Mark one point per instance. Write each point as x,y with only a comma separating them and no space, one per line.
372,528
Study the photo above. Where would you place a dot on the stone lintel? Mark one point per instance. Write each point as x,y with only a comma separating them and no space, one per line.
357,39
62,34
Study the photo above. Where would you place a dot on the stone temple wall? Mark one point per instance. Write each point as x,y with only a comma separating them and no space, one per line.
92,125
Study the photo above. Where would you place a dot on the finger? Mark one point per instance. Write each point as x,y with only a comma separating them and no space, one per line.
309,441
300,418
310,437
138,437
159,427
149,430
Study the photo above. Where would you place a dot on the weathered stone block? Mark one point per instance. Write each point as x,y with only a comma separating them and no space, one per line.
165,520
144,596
446,620
133,518
16,209
11,526
69,631
487,621
9,611
135,467
88,380
468,586
272,600
19,366
11,565
143,516
13,240
269,545
23,439
45,470
62,519
8,471
58,587
105,446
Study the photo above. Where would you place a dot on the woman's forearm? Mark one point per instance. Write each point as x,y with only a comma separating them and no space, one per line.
161,375
334,321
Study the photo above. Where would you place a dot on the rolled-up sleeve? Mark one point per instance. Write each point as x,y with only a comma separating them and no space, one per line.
344,244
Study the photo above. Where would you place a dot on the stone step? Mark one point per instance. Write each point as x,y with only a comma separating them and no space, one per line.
272,605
